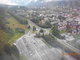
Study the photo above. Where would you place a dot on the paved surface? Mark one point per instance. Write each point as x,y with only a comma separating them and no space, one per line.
35,49
46,31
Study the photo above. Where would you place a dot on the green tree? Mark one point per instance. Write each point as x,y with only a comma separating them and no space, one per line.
34,28
42,31
61,18
55,32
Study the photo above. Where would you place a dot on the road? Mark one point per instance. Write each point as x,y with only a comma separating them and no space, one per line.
65,47
46,30
61,44
35,49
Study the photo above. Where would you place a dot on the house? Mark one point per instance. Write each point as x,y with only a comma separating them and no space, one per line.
78,29
74,27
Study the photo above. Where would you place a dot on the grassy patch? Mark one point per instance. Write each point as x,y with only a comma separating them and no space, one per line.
13,23
77,36
15,37
22,57
62,31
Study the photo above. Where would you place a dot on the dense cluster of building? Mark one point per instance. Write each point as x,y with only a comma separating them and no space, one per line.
66,19
72,27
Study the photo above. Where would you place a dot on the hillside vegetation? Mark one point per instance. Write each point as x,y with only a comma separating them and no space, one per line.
10,29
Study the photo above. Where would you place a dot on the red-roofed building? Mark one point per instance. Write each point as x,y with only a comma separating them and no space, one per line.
73,27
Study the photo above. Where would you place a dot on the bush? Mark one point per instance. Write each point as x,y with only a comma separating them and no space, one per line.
56,32
34,28
46,25
20,30
19,19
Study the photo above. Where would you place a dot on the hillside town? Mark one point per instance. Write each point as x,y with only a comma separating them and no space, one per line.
66,19
40,30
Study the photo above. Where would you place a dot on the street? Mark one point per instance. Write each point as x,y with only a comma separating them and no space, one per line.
35,49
